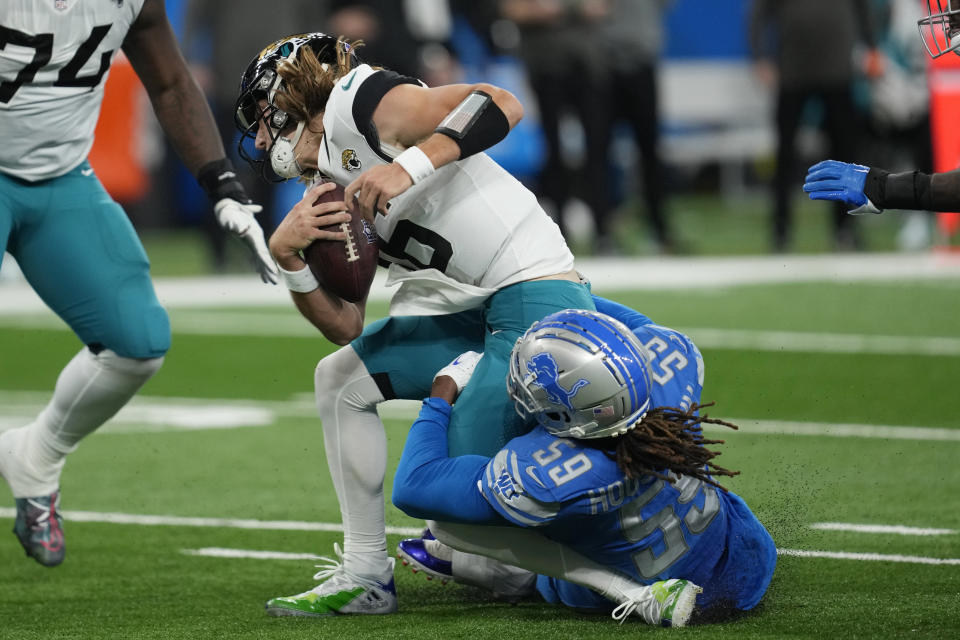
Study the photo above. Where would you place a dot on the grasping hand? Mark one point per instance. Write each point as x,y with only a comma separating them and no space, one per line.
303,224
375,188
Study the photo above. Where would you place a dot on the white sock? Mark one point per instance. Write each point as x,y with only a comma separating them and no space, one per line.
356,448
529,550
89,391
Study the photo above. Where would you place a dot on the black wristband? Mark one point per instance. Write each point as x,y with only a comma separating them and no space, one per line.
219,180
909,190
484,127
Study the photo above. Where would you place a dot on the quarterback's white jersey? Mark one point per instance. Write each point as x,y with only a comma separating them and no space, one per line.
54,59
471,220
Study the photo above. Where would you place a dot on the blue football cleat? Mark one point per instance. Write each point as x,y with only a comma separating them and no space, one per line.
416,554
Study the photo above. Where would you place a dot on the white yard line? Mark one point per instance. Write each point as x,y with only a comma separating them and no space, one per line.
293,525
894,529
215,523
221,552
881,432
809,342
867,557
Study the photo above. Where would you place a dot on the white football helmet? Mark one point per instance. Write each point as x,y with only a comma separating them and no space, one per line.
940,30
580,374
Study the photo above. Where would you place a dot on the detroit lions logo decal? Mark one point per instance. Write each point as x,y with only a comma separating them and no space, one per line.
546,373
349,160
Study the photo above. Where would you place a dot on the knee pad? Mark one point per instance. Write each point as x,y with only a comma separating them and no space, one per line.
341,379
141,332
135,368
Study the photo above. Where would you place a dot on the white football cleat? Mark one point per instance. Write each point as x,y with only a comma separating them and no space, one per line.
341,593
667,603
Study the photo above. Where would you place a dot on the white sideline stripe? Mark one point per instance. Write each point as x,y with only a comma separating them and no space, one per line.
221,552
606,274
281,324
227,523
868,557
897,529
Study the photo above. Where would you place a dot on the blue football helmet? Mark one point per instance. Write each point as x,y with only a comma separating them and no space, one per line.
940,29
580,374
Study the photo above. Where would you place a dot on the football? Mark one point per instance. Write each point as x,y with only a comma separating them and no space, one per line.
345,268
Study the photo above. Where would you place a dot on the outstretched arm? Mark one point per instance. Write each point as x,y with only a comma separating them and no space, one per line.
871,190
185,117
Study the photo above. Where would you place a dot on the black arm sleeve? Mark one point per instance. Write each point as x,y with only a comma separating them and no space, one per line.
913,190
368,97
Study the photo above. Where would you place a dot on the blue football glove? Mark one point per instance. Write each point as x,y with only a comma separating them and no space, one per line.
841,181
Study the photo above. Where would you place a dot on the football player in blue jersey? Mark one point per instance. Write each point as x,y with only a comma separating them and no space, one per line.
871,190
75,245
613,488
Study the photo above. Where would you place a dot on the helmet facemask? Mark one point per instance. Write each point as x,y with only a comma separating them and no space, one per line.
940,30
260,85
255,105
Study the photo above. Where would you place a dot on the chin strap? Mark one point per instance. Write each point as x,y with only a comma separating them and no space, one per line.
283,159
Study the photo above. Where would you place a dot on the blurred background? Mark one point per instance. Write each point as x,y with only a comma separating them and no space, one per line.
653,127
670,139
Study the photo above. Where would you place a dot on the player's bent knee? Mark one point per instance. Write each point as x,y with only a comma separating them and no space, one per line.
144,335
136,368
335,383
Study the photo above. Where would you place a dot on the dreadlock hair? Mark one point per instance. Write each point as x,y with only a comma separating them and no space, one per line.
307,84
669,439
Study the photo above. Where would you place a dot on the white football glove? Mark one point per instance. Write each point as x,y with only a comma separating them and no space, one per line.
237,218
461,369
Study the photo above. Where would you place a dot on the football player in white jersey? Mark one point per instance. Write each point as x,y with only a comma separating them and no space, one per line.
871,190
477,260
74,244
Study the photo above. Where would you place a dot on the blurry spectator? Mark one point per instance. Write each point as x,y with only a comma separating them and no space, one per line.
633,34
220,37
813,58
407,36
566,68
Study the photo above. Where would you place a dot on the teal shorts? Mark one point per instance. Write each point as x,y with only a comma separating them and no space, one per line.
79,252
404,353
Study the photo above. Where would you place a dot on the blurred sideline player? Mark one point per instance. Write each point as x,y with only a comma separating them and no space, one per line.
615,472
871,190
477,259
74,244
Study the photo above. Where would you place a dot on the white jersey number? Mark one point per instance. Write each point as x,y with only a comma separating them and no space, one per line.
42,44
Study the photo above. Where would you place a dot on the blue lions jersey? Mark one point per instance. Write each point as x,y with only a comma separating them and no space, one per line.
647,528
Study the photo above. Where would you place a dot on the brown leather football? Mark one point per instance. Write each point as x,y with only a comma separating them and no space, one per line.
345,268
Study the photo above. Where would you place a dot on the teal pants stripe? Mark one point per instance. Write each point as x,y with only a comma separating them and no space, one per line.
79,252
404,353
